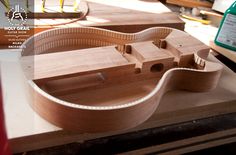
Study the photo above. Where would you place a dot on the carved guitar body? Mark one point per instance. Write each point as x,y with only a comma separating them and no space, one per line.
96,80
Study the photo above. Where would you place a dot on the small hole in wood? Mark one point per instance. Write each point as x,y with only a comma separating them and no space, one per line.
128,49
157,67
137,70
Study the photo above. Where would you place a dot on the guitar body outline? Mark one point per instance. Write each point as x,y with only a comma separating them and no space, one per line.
70,57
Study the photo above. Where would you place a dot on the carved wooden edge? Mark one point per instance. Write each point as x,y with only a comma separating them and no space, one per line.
40,42
85,118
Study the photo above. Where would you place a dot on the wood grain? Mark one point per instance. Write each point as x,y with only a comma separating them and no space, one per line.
117,15
191,3
118,103
75,62
24,125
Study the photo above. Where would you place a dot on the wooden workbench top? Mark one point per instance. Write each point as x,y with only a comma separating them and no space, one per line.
24,126
118,15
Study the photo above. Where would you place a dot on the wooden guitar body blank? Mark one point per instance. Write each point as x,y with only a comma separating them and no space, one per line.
96,80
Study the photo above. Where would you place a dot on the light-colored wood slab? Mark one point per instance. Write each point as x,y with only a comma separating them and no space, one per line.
24,125
118,15
147,50
226,52
191,3
72,63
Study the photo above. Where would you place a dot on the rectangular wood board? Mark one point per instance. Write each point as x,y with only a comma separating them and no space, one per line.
28,131
191,3
226,52
118,15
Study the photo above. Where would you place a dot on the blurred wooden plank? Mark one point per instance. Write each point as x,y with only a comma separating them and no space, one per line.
226,52
118,15
190,3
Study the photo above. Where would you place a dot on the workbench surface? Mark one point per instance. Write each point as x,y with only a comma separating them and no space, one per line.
28,131
117,15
